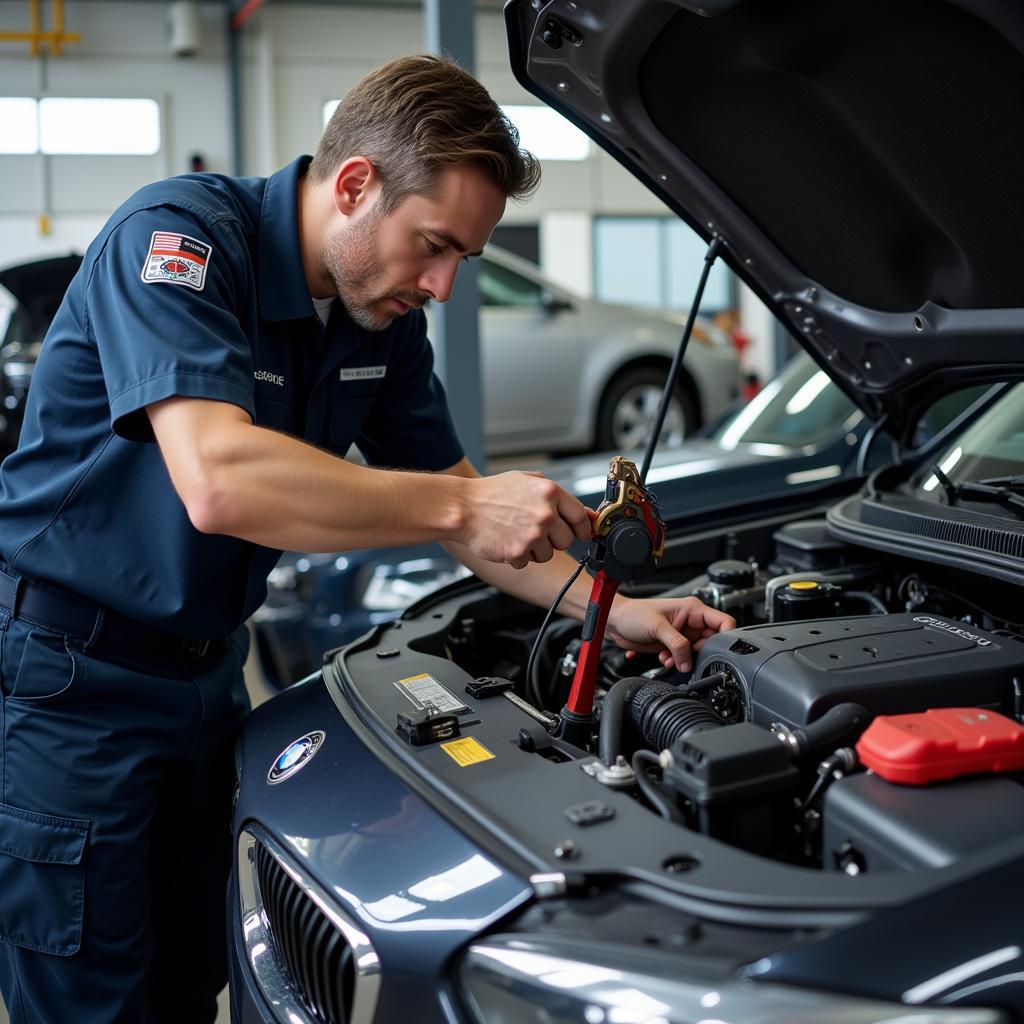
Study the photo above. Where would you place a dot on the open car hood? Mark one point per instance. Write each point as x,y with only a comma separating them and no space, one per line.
861,161
40,286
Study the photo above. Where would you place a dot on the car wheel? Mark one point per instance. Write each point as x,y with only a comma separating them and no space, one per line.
630,405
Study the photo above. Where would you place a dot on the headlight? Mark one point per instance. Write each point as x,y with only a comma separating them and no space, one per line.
515,980
392,588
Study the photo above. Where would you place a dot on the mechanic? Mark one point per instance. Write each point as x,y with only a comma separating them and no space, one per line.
224,342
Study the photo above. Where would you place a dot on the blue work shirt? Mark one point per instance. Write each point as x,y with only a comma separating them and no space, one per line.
195,288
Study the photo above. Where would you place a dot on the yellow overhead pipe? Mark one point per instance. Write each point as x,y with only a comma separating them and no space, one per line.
36,37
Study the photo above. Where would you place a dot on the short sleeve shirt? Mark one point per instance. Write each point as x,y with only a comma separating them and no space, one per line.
195,288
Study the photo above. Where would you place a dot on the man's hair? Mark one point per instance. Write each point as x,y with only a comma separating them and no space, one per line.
414,116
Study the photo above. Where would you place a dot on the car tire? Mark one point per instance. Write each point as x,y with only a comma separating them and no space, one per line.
630,403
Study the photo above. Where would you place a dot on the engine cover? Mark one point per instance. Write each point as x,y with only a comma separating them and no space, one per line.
794,672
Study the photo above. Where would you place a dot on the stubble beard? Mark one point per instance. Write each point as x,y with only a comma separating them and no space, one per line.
350,257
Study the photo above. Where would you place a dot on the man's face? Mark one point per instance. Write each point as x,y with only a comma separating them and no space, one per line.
384,264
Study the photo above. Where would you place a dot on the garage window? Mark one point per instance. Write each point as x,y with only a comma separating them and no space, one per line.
79,125
656,261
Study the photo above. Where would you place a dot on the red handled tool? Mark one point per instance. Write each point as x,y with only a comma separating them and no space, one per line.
628,542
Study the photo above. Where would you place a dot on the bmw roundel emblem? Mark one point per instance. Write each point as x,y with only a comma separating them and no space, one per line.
295,756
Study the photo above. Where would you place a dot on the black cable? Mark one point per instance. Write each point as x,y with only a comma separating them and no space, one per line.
837,765
649,787
535,697
543,678
819,785
670,384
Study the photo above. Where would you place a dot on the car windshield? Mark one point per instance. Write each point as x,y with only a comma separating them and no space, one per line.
988,451
800,407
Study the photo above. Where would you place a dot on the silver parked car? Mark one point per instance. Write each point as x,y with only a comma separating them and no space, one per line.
563,373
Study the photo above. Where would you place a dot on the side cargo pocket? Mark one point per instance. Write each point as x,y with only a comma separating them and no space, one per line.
42,880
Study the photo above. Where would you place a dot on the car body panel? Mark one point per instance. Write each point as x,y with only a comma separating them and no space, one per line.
417,886
982,954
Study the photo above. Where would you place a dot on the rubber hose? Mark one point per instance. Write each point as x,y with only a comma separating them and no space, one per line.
663,715
613,713
839,726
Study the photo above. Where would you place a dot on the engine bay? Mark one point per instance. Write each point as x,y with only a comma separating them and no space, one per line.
770,747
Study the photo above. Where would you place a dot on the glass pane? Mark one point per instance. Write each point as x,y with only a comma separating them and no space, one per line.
548,135
941,413
801,406
686,251
502,287
992,447
99,126
19,129
627,260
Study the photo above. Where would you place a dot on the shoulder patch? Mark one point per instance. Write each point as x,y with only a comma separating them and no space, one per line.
176,259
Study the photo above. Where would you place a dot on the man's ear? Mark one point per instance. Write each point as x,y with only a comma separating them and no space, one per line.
354,184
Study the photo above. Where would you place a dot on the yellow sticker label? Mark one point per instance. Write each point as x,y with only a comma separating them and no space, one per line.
466,751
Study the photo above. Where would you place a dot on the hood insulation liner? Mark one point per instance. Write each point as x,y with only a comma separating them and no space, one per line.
879,144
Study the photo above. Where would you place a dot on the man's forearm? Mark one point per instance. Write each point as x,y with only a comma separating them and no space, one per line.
275,490
538,583
246,481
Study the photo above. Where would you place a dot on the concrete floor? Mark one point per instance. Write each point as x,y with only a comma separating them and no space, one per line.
258,693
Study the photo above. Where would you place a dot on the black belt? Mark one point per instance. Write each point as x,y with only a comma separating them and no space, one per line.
105,629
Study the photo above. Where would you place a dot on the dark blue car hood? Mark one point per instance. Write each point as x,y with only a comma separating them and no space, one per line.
860,161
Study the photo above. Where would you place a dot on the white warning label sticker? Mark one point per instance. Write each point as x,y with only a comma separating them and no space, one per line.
427,694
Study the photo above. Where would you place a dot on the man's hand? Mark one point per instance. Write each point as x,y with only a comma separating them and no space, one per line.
672,627
522,517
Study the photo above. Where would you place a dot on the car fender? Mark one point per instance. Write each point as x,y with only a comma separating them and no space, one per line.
396,867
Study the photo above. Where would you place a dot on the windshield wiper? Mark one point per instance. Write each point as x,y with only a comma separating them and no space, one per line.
1011,483
1001,489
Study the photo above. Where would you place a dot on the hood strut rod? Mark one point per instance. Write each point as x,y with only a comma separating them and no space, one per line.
670,384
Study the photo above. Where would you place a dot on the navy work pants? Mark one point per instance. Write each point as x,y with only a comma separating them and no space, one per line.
115,790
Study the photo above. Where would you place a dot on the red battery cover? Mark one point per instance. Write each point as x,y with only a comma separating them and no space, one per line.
942,743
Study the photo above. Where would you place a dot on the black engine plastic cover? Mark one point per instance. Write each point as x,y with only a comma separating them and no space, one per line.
794,672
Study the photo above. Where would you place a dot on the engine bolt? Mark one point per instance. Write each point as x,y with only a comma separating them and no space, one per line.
565,849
